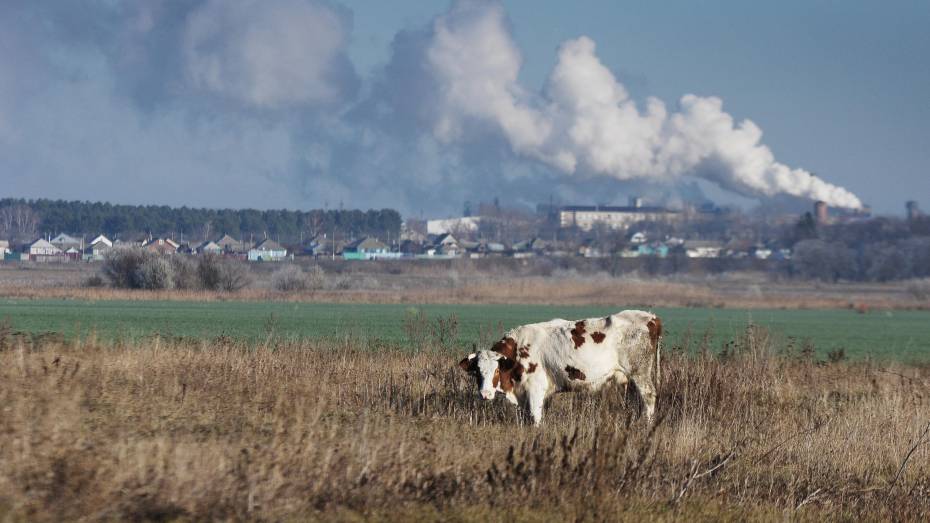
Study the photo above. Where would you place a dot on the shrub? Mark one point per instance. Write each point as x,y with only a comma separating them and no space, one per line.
94,281
290,278
234,276
155,273
121,266
316,277
185,273
217,274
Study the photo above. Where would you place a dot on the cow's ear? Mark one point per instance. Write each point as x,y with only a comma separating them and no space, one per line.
505,364
512,366
465,364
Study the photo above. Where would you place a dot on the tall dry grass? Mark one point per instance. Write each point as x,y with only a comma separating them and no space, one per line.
536,290
216,429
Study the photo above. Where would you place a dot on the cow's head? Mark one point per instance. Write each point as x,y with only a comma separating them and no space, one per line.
492,371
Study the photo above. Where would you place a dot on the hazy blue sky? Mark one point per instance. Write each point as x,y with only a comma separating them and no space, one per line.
414,104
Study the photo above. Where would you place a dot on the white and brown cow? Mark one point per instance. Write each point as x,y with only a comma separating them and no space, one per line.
534,361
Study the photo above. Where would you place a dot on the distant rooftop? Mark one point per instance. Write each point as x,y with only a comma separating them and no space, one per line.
611,208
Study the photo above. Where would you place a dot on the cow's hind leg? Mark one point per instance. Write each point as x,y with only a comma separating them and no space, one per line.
648,394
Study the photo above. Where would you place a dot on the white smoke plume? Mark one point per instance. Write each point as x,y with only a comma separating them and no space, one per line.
586,122
267,53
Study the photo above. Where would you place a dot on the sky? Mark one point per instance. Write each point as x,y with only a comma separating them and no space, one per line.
422,106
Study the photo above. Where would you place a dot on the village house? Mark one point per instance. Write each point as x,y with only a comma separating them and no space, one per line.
702,249
65,242
322,246
368,249
42,250
161,246
267,250
209,247
98,248
4,247
233,246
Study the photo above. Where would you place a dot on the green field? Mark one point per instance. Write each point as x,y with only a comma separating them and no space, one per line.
900,335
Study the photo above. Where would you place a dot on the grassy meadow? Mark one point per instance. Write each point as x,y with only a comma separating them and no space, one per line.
884,334
176,429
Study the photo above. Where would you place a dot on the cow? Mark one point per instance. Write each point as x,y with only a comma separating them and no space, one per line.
533,361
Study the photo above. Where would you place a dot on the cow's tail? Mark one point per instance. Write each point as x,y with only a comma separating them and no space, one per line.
655,336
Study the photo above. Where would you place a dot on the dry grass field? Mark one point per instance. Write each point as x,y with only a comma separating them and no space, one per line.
284,430
465,282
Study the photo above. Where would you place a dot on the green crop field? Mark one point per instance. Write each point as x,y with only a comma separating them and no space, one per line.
899,335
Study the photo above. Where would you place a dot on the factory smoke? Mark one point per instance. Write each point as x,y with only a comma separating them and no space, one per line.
247,103
586,122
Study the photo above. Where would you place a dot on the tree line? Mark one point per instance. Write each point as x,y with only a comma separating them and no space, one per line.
24,219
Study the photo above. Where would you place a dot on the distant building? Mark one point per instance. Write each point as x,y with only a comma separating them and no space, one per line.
98,248
209,247
368,249
102,240
702,249
267,250
585,217
65,242
4,247
453,225
161,246
913,210
231,245
43,251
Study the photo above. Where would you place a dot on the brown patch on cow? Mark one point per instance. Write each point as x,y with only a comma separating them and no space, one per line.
524,353
468,364
507,347
497,378
532,368
598,336
574,374
578,334
510,372
655,331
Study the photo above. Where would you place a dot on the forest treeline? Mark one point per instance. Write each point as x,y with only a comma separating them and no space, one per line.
30,218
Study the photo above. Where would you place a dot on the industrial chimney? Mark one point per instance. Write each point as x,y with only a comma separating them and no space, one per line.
821,211
913,210
636,202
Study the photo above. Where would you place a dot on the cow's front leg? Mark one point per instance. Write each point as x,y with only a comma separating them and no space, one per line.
536,389
535,400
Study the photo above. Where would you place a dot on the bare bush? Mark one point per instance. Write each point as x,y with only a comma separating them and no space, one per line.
154,273
121,266
185,273
218,274
234,276
290,278
316,277
920,290
94,281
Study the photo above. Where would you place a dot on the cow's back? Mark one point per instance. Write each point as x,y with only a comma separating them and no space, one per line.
589,352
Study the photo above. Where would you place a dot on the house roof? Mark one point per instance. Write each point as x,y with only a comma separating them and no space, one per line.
64,238
41,243
101,239
268,245
445,239
611,208
367,243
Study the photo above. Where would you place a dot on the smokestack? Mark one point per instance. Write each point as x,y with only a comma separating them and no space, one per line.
636,202
913,210
821,211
